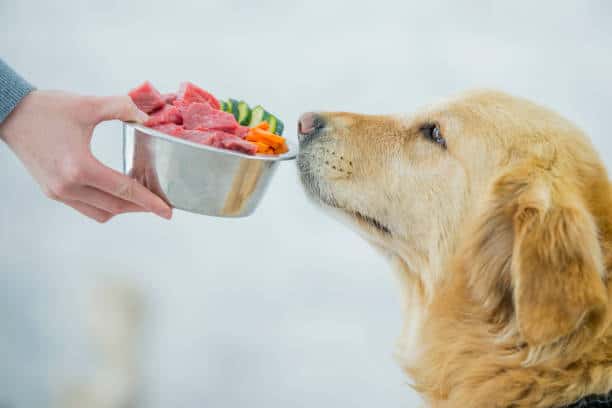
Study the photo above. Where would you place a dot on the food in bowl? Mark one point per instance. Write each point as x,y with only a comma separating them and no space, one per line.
195,115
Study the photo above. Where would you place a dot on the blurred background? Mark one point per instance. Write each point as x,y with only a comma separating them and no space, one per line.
285,308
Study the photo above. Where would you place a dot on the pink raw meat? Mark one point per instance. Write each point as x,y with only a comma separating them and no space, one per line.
169,97
240,145
190,93
167,114
146,97
218,138
201,115
169,128
193,135
241,131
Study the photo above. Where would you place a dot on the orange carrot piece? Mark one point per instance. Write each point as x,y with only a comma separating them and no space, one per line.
251,137
282,149
268,137
263,125
262,147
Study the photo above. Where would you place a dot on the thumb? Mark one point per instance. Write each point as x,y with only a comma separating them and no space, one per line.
119,107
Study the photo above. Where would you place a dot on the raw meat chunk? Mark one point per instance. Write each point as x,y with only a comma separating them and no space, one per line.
169,128
218,138
201,115
190,93
241,131
146,97
239,145
169,97
167,114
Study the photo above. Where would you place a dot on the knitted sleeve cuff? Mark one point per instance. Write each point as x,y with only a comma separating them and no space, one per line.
13,89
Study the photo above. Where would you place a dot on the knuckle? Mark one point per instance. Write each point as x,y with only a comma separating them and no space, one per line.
116,107
58,190
127,189
91,106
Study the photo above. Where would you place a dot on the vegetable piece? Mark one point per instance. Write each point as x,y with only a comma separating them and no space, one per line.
244,113
280,126
263,125
282,149
262,147
228,106
266,116
257,115
272,122
234,110
263,136
266,141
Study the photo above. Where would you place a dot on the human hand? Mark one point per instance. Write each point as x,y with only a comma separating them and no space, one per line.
51,132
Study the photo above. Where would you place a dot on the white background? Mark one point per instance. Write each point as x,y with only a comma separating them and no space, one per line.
285,308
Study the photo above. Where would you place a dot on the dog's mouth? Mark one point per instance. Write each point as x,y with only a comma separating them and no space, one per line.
373,222
360,217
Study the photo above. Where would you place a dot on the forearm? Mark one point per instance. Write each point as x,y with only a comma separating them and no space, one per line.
13,89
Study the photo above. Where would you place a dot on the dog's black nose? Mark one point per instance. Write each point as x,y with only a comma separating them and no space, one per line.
310,124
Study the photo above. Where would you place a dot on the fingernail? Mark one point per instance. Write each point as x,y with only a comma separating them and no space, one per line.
166,213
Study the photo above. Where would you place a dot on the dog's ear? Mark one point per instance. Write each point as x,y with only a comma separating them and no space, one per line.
546,266
557,267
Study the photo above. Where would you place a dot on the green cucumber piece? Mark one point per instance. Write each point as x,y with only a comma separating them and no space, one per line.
244,113
234,110
266,116
228,106
280,126
272,123
257,115
223,106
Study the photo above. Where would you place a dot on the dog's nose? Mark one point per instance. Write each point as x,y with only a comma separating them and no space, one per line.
310,124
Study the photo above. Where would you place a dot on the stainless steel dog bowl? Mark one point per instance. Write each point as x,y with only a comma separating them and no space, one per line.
197,178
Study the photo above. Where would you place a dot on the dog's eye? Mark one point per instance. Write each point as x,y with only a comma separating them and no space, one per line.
432,132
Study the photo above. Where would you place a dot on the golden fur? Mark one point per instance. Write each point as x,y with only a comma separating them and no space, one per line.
502,242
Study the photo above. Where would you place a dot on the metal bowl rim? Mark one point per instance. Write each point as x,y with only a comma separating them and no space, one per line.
290,155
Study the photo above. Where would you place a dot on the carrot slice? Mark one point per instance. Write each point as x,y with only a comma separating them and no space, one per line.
268,137
267,142
262,147
263,125
282,149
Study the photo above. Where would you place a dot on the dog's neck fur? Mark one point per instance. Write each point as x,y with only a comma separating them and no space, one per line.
455,362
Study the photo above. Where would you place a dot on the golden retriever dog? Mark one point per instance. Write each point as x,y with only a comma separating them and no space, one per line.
496,214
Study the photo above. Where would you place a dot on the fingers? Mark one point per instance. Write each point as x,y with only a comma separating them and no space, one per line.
127,189
90,211
104,201
118,107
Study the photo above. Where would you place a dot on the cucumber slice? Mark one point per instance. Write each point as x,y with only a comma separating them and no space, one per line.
272,123
223,106
266,116
244,113
228,106
257,115
280,126
234,110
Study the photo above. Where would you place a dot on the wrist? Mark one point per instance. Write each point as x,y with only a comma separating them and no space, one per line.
14,116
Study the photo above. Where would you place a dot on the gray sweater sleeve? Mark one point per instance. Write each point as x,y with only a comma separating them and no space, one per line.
12,90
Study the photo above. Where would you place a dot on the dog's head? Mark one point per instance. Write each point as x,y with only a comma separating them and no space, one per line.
490,192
